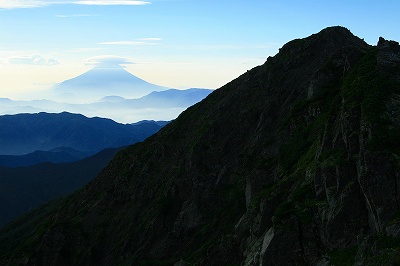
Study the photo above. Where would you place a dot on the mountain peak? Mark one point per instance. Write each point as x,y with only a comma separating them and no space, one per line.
338,35
324,43
331,48
102,81
335,31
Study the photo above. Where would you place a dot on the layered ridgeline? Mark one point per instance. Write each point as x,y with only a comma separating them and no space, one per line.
294,162
26,133
159,105
25,188
58,162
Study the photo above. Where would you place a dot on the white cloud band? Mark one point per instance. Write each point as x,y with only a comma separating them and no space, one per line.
108,61
12,4
36,60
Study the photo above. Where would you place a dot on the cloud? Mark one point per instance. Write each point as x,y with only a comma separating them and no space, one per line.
9,4
108,61
141,41
12,4
36,60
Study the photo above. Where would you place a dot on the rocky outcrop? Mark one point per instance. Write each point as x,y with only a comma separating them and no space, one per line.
294,162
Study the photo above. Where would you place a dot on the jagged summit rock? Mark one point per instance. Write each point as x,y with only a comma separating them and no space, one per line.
295,162
320,47
333,37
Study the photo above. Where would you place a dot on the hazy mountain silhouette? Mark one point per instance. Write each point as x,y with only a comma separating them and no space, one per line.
172,98
100,82
160,105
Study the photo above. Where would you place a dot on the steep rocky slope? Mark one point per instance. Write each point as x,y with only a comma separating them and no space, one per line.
296,162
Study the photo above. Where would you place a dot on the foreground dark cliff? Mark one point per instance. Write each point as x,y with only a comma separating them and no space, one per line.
296,162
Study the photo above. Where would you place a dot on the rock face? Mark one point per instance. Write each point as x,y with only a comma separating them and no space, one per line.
296,162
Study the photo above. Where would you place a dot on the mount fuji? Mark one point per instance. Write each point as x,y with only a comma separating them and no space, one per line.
101,82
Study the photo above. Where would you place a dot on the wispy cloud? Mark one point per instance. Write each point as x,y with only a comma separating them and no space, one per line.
35,59
141,41
12,4
108,61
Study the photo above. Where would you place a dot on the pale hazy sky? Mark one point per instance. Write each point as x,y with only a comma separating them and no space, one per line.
173,43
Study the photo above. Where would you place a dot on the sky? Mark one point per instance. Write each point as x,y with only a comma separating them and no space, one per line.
172,43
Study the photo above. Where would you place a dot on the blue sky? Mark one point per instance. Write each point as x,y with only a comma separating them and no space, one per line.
173,43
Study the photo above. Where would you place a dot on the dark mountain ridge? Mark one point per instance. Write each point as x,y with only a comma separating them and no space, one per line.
25,188
26,133
57,155
295,162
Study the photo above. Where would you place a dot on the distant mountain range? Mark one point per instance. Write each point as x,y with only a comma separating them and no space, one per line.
104,81
61,156
157,105
26,133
